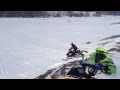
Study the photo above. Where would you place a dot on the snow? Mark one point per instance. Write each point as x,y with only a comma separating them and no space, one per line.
30,46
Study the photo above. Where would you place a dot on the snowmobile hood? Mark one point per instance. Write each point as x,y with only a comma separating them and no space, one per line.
68,77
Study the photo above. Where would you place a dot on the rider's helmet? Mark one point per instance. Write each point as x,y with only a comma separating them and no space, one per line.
101,50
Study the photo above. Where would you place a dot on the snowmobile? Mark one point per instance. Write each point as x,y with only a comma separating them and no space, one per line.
83,71
71,54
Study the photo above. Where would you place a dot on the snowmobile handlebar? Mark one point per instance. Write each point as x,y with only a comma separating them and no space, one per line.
85,51
92,69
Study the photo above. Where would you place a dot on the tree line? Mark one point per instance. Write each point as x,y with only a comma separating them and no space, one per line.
56,13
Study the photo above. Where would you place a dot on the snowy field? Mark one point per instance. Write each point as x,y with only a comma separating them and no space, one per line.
30,46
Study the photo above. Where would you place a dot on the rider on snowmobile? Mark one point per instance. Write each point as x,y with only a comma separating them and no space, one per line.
101,56
72,51
73,48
